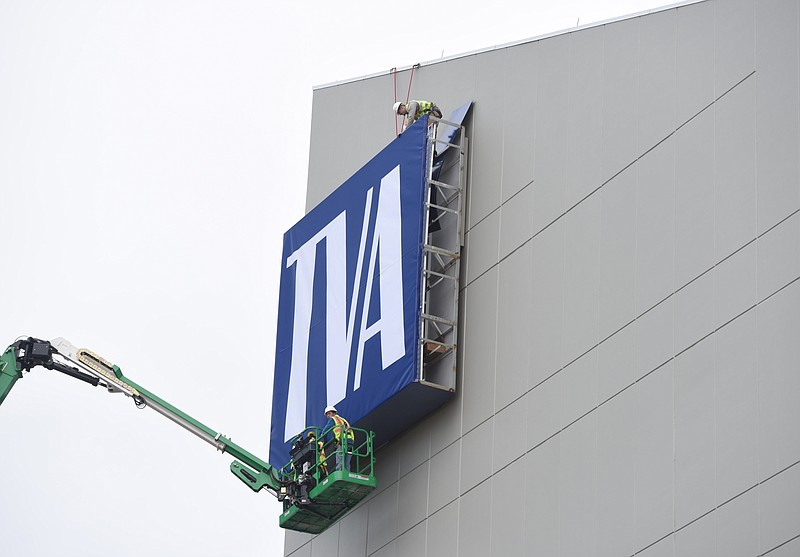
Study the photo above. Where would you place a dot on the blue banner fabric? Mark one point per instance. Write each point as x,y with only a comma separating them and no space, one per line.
349,301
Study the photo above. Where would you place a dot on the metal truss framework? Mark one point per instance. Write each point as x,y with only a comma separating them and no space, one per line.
445,187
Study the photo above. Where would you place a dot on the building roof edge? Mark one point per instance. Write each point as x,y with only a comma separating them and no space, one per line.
512,44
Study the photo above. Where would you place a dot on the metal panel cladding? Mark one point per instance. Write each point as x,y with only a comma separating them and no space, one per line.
349,295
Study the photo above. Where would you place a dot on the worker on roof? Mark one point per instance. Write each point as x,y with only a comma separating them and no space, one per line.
337,433
415,110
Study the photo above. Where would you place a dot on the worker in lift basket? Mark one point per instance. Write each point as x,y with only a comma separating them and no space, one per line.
322,459
415,110
337,432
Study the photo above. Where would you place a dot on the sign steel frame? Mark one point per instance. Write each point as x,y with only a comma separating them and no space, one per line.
445,187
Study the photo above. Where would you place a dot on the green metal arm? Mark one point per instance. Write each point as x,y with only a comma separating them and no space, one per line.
9,372
314,489
23,355
254,472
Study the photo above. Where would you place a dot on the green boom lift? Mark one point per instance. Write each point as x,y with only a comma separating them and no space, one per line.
313,493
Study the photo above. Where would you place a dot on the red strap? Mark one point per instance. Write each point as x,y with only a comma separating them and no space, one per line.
394,73
408,94
410,81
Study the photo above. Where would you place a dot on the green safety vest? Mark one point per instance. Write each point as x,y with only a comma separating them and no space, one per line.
424,107
337,430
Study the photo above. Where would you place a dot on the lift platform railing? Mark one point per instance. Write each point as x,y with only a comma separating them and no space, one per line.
323,493
317,457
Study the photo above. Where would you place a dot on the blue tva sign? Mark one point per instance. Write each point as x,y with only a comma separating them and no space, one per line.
349,295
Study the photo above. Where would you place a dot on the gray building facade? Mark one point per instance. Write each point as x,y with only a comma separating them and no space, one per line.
630,325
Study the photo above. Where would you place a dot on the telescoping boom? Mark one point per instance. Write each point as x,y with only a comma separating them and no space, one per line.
313,496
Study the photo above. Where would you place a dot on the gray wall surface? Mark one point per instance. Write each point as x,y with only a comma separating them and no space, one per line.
630,351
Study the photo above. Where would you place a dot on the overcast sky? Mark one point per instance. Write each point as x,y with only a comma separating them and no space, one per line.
152,154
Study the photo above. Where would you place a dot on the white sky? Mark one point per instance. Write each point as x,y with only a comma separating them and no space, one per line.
152,154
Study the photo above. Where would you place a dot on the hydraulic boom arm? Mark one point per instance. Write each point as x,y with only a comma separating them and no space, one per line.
87,366
313,493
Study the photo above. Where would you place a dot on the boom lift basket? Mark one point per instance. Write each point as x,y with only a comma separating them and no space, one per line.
327,493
